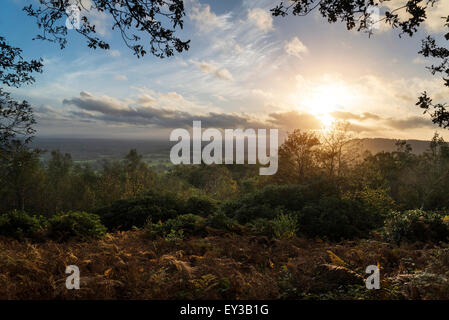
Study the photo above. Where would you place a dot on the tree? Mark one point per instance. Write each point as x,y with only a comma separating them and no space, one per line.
334,153
357,14
138,176
16,118
21,178
59,181
156,19
297,157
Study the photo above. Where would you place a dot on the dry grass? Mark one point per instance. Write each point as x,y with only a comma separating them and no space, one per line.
128,266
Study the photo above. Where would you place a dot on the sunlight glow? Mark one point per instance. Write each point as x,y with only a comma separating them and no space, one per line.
322,100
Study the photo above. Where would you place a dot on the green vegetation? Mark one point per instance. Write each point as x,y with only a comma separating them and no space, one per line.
80,225
324,192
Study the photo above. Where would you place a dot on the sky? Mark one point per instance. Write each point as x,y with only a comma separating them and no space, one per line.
244,69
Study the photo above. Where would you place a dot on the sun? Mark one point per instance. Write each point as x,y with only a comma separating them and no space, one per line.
323,100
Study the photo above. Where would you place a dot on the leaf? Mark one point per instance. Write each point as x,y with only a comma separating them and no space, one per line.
335,259
107,272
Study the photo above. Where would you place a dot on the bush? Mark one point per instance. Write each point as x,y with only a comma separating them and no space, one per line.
81,225
19,225
261,204
335,218
201,206
285,226
126,214
261,227
317,215
220,221
416,225
188,224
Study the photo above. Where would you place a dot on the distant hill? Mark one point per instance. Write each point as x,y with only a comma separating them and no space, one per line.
95,149
376,145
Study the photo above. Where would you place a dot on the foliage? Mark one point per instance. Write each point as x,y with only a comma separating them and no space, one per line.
416,225
125,214
156,20
188,224
261,203
15,71
80,225
19,225
335,218
285,226
201,205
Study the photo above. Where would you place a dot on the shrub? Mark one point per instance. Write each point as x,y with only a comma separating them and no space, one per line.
188,224
261,226
19,225
416,225
81,225
201,206
260,204
335,218
220,221
285,226
126,214
375,200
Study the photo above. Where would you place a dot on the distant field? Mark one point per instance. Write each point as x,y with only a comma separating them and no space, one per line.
156,152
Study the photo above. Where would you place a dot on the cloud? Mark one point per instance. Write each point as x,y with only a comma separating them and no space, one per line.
120,77
294,120
436,16
110,110
410,123
295,48
144,113
261,18
114,53
220,73
434,22
206,20
343,115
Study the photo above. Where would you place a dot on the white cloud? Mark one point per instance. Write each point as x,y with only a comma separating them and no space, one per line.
295,48
206,20
209,68
114,53
261,18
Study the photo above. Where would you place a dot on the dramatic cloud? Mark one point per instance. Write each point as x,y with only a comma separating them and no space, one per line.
261,18
295,48
111,110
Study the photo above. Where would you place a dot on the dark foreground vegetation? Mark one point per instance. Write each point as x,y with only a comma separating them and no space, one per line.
128,265
217,232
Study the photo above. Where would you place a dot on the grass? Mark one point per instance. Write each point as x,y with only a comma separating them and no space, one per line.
127,265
